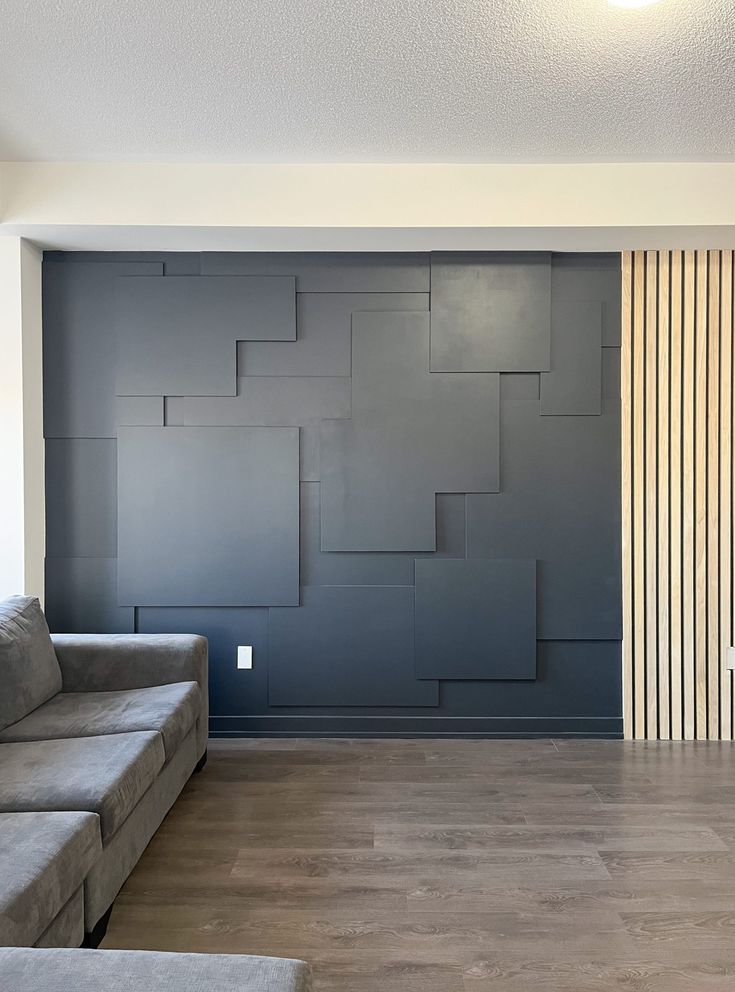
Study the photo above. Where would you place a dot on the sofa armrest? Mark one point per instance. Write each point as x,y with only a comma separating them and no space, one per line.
106,662
103,662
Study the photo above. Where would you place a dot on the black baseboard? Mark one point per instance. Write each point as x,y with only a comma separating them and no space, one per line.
414,726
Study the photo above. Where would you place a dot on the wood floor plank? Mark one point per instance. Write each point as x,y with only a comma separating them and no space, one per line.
452,866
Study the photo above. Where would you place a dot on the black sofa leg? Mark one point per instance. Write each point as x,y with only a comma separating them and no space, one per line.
201,763
96,935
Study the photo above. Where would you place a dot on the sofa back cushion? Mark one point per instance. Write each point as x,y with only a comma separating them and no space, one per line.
29,671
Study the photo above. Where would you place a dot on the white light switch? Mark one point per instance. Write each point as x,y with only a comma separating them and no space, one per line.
244,656
730,658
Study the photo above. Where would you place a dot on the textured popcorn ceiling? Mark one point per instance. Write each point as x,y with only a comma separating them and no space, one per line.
366,80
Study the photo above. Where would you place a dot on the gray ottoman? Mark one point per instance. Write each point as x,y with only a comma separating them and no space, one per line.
69,970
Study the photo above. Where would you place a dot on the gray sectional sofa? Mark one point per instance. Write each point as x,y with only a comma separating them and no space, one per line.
24,970
98,735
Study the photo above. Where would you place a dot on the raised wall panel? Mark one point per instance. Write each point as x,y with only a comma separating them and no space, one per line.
573,385
208,516
346,646
323,346
79,345
559,503
490,312
177,335
574,679
412,434
343,568
81,515
677,493
329,272
593,278
283,401
475,619
81,597
140,411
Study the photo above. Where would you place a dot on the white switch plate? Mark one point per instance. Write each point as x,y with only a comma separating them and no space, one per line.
245,656
730,658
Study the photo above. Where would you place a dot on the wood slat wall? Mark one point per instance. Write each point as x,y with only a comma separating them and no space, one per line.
677,477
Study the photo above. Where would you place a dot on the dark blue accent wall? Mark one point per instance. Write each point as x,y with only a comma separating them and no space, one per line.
396,477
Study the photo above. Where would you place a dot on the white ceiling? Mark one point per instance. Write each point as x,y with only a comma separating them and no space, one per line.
366,80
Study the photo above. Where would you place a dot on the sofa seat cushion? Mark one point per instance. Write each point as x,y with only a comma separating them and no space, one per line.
37,970
29,670
44,858
172,710
103,775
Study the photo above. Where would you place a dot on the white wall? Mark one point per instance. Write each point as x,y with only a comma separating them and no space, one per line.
22,524
376,207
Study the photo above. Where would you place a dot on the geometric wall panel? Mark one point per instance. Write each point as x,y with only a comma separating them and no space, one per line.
344,568
411,427
177,335
590,277
572,678
267,401
574,384
327,568
79,345
413,434
346,646
490,313
140,411
81,597
324,340
475,619
81,515
208,516
328,272
559,503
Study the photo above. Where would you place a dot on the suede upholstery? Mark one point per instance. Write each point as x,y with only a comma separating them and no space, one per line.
67,927
107,728
104,775
144,971
110,662
121,852
29,670
44,858
171,709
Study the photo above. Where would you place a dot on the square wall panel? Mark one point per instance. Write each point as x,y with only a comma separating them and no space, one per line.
475,619
177,336
490,312
346,646
208,516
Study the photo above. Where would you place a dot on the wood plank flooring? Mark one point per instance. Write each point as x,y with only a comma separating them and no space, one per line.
452,865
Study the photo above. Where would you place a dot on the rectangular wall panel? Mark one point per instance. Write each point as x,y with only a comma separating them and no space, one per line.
677,474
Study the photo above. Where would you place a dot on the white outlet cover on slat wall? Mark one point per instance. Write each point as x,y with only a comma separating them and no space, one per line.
244,656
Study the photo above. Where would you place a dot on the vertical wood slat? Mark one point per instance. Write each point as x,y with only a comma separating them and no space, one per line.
639,571
687,485
626,490
661,442
713,496
675,520
726,483
677,429
700,496
650,488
